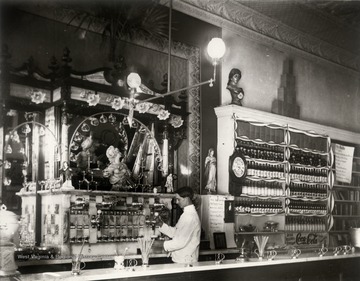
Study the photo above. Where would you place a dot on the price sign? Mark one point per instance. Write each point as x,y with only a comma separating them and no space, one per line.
343,162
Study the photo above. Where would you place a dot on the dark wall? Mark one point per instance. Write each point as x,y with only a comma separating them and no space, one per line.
198,33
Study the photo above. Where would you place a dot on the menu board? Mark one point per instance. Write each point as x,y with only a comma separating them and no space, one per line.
343,162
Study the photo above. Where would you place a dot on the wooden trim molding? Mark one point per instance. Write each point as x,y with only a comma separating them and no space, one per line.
261,116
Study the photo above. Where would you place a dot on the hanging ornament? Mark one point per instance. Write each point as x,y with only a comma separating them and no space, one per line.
41,132
85,127
112,118
94,121
103,119
8,149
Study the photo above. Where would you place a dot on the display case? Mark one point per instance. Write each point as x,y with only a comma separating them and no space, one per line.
286,189
289,177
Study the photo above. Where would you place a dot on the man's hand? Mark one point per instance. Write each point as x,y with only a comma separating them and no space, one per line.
158,219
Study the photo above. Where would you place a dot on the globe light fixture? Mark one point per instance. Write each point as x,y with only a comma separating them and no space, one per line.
216,49
134,80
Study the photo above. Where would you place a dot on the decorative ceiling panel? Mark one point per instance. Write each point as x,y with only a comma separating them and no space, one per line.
290,22
335,22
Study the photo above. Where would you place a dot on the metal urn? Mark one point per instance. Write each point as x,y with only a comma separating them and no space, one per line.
8,227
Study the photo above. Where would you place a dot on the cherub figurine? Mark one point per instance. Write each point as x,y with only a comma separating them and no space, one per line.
169,183
84,157
117,171
237,93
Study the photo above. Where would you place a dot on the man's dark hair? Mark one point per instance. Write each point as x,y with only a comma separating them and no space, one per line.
185,192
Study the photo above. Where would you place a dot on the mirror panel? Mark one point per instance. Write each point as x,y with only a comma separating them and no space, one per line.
31,155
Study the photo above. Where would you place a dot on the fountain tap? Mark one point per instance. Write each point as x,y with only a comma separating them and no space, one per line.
96,221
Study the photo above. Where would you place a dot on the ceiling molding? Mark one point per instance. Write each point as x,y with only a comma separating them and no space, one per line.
246,22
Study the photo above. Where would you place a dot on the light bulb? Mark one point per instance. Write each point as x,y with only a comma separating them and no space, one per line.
134,80
216,48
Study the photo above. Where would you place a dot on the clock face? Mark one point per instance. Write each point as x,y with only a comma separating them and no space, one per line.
238,167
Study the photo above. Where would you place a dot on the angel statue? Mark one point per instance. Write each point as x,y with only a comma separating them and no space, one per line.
210,171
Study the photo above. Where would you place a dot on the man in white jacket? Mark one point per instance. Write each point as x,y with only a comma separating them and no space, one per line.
185,236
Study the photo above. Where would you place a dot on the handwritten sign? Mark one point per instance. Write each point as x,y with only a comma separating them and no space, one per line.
343,162
216,213
213,218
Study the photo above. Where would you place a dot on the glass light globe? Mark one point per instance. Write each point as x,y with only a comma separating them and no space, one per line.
134,80
216,48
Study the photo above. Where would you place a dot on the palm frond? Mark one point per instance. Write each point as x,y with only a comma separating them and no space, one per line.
126,19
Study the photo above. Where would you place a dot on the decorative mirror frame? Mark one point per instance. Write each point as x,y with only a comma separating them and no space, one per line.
88,124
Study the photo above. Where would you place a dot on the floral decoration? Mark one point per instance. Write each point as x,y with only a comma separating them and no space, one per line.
143,107
109,99
176,121
7,181
25,129
11,112
37,96
7,164
117,103
92,99
84,94
156,107
163,114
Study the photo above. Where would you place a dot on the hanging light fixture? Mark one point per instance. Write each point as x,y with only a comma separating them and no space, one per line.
216,50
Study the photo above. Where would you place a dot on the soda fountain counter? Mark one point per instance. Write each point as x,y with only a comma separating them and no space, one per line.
95,223
307,266
104,227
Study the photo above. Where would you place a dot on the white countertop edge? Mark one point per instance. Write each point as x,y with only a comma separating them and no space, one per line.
162,269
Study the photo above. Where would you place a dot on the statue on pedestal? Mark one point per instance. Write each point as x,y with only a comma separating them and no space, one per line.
210,172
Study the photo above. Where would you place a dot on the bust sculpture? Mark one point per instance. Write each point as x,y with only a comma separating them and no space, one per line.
237,93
